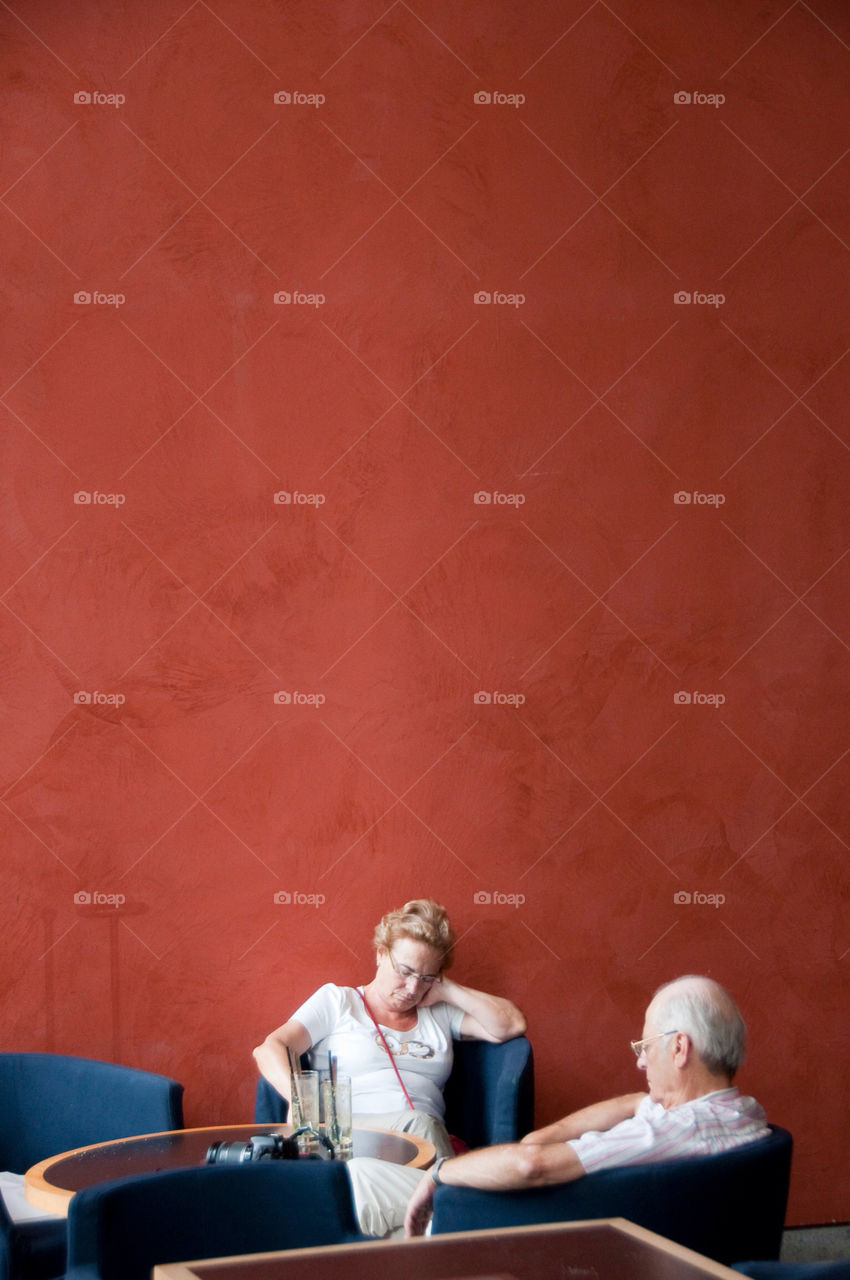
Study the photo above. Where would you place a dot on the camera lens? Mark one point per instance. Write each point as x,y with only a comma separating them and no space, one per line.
262,1146
229,1152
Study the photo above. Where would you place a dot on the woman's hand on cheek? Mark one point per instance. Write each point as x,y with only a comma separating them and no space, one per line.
435,994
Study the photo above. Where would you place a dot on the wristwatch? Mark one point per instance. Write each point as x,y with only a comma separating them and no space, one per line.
435,1170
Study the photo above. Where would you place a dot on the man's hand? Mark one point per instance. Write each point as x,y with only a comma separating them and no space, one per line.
419,1207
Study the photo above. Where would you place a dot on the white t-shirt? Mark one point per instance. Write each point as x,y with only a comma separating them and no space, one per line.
337,1023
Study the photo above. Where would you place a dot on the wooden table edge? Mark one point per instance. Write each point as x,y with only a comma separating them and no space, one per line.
185,1270
45,1195
425,1150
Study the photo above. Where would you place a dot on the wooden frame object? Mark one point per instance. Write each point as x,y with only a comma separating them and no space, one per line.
609,1247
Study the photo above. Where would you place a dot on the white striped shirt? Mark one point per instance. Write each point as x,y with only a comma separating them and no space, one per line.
715,1122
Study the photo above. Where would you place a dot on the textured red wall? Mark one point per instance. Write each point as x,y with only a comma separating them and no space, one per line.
602,714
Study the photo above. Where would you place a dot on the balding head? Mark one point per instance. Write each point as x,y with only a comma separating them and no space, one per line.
709,1016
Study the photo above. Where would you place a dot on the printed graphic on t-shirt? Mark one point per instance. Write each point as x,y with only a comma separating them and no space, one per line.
398,1048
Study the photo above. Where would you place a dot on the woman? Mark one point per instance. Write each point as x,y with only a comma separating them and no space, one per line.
394,1038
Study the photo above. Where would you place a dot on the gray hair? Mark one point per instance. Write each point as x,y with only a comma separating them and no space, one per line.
706,1012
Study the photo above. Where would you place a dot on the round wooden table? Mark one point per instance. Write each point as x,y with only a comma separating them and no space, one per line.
51,1184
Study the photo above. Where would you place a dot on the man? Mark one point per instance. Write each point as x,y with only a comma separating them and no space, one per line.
692,1044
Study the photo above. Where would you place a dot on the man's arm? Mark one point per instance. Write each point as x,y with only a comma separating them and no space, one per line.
600,1116
505,1168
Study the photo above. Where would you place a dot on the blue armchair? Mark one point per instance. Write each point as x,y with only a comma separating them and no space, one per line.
726,1206
51,1103
489,1094
837,1270
120,1230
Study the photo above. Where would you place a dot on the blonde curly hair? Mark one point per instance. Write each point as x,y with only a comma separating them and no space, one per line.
423,920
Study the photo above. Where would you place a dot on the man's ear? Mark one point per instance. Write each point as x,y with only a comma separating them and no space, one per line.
683,1049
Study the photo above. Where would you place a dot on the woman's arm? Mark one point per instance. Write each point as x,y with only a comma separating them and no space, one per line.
271,1056
487,1017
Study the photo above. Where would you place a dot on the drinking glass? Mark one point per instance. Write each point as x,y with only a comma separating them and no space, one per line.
336,1115
305,1106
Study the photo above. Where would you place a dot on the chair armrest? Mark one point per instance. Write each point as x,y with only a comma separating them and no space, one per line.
490,1092
728,1206
270,1107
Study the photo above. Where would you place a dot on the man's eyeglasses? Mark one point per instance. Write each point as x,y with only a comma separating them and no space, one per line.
408,975
638,1046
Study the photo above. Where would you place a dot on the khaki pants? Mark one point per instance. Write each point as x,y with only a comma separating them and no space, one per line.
381,1189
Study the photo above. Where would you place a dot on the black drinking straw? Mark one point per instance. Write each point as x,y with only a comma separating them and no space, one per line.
334,1133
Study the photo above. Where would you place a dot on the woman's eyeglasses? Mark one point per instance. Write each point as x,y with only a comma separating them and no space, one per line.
410,975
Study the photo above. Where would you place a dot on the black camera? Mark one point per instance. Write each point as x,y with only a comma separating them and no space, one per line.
261,1146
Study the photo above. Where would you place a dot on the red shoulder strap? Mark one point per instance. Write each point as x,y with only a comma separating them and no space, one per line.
386,1046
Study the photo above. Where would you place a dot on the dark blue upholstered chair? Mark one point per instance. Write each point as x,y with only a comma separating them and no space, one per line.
489,1094
51,1103
120,1230
839,1270
727,1206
